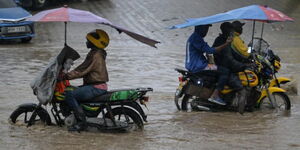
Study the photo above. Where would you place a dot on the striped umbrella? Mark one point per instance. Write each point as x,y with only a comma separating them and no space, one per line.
252,12
66,14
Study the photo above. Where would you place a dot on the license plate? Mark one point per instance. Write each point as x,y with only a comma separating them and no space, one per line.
16,29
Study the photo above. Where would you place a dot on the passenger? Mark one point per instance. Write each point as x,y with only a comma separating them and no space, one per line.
196,61
238,45
227,30
226,59
94,73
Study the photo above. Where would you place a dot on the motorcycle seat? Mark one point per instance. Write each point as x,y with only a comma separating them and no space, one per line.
212,73
101,98
105,97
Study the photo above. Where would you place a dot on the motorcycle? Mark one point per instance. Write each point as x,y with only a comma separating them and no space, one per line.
199,88
194,90
102,112
117,110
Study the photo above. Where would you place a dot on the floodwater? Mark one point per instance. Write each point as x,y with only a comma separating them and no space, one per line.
131,64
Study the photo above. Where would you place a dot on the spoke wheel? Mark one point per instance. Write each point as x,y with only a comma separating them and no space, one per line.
177,98
186,103
282,100
129,116
21,117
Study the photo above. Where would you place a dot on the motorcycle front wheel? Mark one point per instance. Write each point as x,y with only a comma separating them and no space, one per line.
282,100
21,116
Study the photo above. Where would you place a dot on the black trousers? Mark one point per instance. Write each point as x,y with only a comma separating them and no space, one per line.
223,77
221,74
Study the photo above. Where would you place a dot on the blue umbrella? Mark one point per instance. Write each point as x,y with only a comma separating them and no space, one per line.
252,12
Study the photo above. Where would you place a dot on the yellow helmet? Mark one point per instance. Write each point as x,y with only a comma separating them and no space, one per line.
277,65
98,38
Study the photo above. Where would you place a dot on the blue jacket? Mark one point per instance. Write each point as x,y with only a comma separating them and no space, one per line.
195,48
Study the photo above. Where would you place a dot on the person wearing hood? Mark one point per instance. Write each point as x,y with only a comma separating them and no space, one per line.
196,61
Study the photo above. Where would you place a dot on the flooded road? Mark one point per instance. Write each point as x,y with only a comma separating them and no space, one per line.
131,64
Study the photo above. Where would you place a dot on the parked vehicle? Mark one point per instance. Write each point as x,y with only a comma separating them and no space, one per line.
35,4
12,22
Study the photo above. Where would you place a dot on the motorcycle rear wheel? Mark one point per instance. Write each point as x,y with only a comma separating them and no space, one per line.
128,115
177,97
282,100
185,102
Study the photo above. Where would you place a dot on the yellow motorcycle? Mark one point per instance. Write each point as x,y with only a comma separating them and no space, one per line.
194,90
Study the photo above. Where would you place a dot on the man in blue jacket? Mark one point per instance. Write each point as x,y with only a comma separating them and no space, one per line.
196,61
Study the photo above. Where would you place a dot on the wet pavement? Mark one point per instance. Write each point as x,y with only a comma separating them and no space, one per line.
131,64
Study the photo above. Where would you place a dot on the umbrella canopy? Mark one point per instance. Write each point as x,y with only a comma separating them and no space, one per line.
252,12
65,14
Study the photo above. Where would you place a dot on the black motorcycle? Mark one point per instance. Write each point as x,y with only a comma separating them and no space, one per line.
103,113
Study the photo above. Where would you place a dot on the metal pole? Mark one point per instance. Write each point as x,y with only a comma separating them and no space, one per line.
262,30
252,35
65,33
261,35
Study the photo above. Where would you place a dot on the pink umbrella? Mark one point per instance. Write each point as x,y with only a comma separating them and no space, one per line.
65,14
273,15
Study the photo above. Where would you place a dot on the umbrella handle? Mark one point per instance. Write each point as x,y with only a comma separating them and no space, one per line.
253,30
65,33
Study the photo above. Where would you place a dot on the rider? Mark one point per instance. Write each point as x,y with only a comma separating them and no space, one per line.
196,61
94,73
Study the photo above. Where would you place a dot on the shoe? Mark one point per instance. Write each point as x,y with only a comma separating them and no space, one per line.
78,127
217,101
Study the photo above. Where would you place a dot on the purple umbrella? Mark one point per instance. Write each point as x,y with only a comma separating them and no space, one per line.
252,12
65,14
